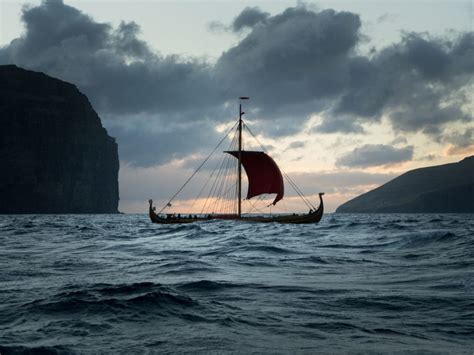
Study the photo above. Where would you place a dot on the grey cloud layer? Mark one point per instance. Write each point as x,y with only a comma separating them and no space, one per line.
461,140
337,182
159,145
248,18
415,83
375,155
292,64
113,66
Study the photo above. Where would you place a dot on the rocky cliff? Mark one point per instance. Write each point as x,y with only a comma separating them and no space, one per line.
445,188
55,156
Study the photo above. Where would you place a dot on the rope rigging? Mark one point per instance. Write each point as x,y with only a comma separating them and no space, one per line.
199,168
285,175
221,185
217,200
222,195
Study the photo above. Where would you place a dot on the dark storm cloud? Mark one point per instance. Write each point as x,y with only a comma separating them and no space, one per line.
301,62
293,64
375,155
290,63
142,147
116,69
123,79
416,83
248,18
217,27
339,124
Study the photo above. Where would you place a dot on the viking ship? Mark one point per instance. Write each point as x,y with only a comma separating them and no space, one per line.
224,200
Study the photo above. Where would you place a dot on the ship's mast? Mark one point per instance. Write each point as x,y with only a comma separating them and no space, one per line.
241,113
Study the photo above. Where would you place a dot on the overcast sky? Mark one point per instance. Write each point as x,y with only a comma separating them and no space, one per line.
345,95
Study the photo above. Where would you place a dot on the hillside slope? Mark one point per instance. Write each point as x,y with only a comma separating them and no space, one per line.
445,188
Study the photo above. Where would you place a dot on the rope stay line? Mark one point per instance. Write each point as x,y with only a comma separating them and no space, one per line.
237,180
253,207
196,171
204,186
223,193
287,177
298,191
217,185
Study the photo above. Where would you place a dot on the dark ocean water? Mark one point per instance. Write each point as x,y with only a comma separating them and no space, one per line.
351,284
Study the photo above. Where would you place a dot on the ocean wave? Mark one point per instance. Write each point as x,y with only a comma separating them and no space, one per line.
27,350
209,285
423,239
111,299
187,267
108,284
264,249
333,326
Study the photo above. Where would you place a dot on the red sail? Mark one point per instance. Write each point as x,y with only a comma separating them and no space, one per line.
263,174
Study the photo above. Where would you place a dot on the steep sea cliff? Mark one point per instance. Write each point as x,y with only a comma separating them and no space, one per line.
55,155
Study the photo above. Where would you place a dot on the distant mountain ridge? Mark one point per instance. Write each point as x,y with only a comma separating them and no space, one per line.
447,188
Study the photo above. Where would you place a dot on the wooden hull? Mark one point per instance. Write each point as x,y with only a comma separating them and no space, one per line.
312,217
